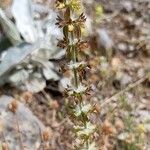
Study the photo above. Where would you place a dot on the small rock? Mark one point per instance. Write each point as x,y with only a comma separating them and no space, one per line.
122,47
65,83
131,48
105,43
119,124
127,6
126,79
29,125
144,115
123,136
141,73
104,39
116,63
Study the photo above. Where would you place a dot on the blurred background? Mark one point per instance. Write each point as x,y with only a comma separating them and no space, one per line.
118,35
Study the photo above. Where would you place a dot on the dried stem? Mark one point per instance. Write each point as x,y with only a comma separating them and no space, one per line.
19,134
129,87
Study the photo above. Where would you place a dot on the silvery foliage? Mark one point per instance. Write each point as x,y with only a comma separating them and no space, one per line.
26,65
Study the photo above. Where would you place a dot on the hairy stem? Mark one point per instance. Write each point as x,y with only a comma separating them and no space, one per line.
74,59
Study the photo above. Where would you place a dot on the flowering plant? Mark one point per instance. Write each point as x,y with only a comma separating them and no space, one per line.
71,24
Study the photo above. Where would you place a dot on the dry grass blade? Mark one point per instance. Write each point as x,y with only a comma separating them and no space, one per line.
129,87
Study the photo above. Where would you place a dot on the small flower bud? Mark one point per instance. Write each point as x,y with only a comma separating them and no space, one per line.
97,108
46,134
119,124
54,104
13,106
27,97
108,128
60,5
70,27
141,128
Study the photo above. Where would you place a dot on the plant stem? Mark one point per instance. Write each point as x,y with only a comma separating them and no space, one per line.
20,135
74,59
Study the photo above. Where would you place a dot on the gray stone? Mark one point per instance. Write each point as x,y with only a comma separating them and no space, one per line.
127,5
30,126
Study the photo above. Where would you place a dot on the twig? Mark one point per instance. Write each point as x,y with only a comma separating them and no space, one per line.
130,86
19,133
41,145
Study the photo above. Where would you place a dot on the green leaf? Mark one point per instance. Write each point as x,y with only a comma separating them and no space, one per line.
65,31
68,53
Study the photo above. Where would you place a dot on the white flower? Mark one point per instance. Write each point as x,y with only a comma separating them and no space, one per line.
80,89
84,109
87,130
76,65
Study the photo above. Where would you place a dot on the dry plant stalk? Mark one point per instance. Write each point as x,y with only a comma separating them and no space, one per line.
79,110
5,146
